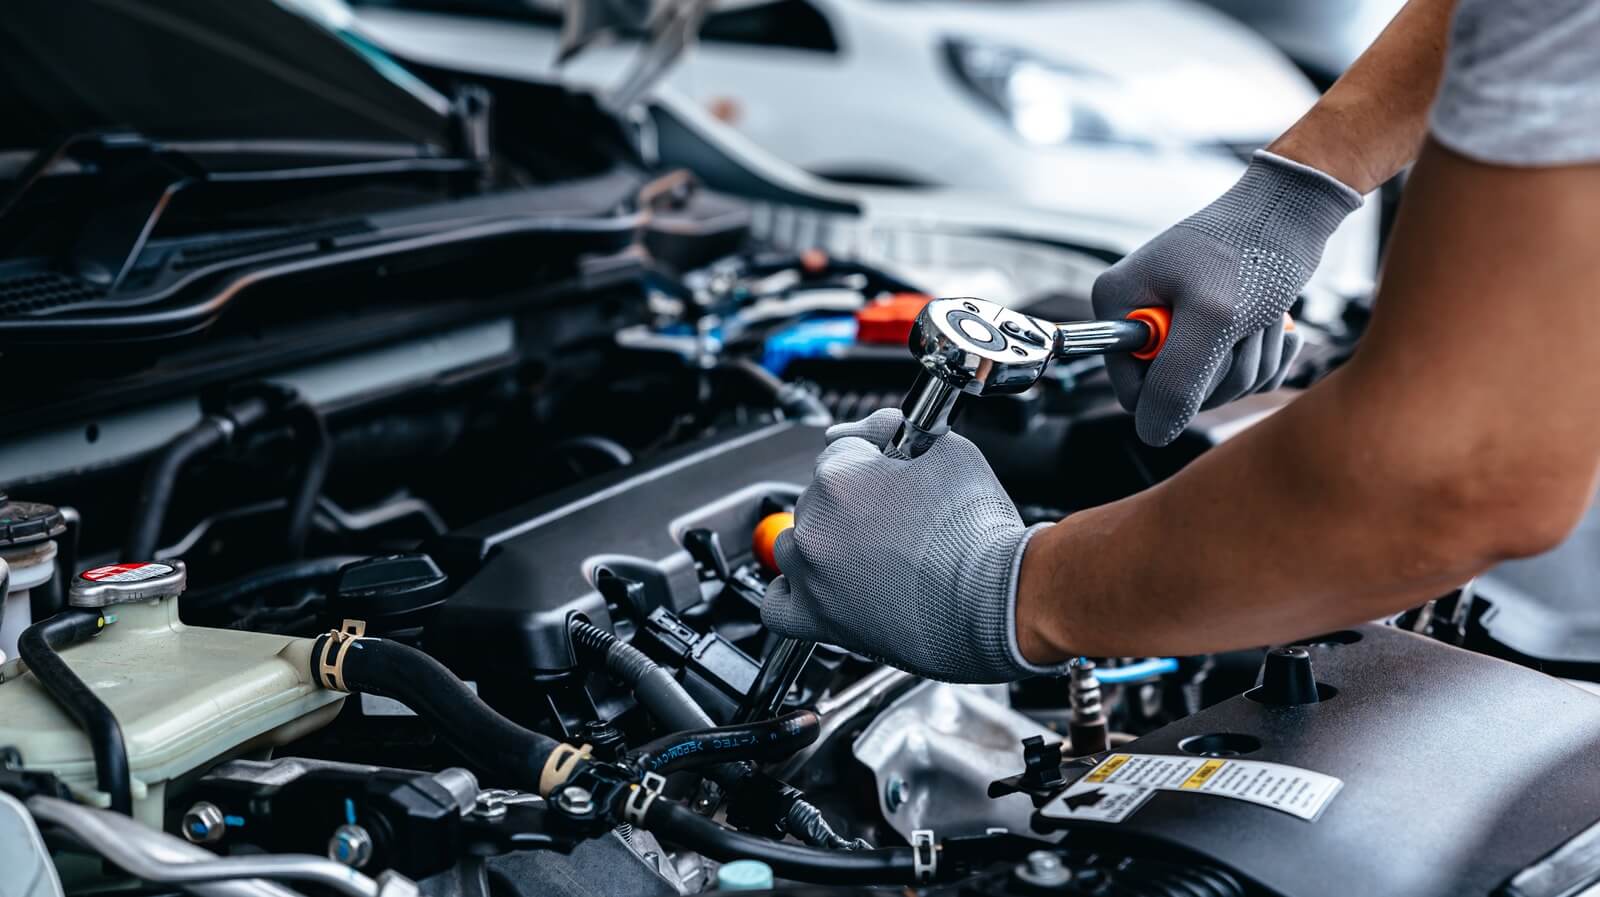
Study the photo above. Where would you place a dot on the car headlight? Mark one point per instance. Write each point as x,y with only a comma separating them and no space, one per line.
1047,103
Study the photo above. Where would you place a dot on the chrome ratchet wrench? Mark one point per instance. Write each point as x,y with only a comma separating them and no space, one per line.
968,347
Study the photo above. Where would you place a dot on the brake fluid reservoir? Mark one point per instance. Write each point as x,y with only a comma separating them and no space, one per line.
186,697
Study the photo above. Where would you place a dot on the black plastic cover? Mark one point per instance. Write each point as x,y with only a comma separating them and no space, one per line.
27,522
1459,771
524,572
392,592
200,69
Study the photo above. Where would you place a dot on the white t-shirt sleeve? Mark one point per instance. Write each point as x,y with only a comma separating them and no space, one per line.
1522,82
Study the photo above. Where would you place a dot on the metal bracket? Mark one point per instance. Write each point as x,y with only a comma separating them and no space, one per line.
642,797
924,855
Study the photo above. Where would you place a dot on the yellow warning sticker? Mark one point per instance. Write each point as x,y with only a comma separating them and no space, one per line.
1122,783
1198,778
1107,767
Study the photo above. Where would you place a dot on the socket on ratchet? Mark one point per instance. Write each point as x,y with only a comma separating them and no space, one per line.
971,347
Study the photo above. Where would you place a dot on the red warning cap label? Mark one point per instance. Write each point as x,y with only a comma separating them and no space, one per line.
138,572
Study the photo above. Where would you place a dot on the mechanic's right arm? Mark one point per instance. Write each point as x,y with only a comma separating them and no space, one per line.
1371,123
1464,431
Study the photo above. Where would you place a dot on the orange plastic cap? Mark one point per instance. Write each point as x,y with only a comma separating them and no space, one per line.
888,321
765,538
1159,320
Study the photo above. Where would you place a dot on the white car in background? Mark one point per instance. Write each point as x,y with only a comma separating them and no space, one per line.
1129,112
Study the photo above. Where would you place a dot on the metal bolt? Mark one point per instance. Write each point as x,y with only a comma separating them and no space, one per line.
575,800
462,785
1044,869
204,823
490,804
350,845
895,793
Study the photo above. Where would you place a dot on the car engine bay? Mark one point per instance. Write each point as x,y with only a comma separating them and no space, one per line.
393,526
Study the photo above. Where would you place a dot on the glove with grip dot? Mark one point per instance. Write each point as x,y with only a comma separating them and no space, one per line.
1229,273
911,561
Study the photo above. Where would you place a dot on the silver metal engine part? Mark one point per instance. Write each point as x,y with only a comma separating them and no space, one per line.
25,866
934,752
161,858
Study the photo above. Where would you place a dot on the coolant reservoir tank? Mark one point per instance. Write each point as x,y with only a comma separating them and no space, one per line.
186,697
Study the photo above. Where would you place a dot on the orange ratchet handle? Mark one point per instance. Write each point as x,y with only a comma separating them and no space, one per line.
1158,319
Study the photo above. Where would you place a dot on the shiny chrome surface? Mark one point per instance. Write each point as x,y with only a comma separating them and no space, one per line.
778,673
160,858
1098,337
967,347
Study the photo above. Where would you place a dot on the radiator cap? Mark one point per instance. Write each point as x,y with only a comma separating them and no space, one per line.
127,583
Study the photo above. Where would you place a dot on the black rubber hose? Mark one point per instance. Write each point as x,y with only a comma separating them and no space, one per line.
797,402
674,822
162,477
666,700
311,429
603,446
306,571
763,741
510,754
39,645
662,696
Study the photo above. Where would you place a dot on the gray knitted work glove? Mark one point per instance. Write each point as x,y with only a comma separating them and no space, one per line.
912,562
1229,273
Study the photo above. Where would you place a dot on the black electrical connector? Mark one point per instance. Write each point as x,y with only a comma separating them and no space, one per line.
414,819
715,672
778,809
705,547
659,693
624,594
23,783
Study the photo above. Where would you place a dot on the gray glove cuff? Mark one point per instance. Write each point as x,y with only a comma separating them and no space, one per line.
1281,205
1024,668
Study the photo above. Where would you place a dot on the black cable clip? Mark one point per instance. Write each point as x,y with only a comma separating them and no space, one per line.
924,855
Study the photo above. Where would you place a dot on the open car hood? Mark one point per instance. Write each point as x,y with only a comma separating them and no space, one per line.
199,69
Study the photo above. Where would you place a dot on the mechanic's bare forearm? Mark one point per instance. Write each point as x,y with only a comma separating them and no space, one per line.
1269,537
1462,433
1370,124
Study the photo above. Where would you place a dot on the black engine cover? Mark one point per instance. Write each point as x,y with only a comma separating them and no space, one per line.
1459,771
527,570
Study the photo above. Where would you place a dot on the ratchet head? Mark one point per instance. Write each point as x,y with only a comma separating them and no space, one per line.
967,347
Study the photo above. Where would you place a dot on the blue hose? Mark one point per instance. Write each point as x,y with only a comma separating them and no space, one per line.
1137,672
